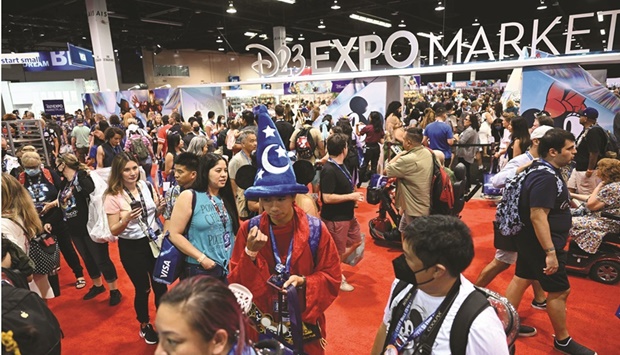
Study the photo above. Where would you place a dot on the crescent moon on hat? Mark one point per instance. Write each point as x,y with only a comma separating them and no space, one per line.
267,165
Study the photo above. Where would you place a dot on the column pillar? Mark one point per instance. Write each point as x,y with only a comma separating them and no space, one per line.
279,40
103,51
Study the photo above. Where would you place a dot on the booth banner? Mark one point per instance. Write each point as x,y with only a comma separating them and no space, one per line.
102,102
164,101
563,92
51,61
315,87
464,84
54,107
411,82
202,99
357,100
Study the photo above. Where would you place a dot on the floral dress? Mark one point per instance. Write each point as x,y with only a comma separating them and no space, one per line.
588,231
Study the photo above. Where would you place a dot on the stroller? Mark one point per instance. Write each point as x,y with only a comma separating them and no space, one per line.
604,265
381,191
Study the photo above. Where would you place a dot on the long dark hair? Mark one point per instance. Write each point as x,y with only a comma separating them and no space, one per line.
520,131
208,306
205,164
376,120
392,109
474,119
173,140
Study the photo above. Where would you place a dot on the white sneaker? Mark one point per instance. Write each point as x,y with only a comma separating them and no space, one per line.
345,286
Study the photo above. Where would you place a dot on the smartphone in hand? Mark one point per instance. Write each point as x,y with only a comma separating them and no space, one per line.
135,205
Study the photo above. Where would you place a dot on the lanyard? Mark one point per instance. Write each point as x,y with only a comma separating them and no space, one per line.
281,268
246,157
344,171
223,215
142,203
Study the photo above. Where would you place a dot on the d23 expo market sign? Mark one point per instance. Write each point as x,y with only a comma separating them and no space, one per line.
292,61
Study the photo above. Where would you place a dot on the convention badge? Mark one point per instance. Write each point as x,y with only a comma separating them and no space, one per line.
390,350
280,268
226,238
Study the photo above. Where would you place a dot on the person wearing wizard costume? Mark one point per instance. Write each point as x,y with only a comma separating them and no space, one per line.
280,244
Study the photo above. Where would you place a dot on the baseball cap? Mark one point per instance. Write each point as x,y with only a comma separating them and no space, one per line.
590,113
539,132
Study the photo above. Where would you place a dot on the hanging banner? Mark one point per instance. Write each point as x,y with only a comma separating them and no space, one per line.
315,87
51,61
564,92
357,100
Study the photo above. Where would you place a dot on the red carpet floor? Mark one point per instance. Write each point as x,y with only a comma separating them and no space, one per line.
92,327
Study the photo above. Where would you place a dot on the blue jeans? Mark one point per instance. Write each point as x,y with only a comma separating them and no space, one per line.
195,269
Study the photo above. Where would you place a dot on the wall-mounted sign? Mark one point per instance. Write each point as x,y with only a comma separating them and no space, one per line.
54,107
51,61
291,61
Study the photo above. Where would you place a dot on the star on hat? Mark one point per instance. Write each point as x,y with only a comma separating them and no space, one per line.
275,176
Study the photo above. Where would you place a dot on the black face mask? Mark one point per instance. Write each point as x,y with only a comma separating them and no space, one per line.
403,272
196,129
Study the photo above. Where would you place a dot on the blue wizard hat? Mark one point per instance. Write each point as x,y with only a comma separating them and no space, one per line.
275,175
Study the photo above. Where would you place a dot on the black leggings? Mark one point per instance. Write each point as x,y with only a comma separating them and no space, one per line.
66,248
96,256
371,158
138,261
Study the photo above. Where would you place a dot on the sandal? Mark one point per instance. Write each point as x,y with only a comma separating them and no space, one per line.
80,283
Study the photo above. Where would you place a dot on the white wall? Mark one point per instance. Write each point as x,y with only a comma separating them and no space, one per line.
30,96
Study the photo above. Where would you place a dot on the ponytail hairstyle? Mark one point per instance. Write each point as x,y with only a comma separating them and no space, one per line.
72,162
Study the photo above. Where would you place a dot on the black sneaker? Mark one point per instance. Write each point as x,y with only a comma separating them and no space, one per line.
148,334
572,347
115,297
539,305
94,291
527,331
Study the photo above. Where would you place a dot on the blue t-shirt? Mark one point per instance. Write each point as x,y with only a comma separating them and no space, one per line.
438,134
207,233
540,189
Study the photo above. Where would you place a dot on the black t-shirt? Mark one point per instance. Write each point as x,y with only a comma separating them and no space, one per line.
285,129
595,140
334,181
42,191
540,189
75,209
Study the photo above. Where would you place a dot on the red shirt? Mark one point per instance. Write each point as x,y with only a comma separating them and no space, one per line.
371,135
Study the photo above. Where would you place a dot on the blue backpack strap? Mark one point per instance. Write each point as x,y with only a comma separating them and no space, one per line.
315,235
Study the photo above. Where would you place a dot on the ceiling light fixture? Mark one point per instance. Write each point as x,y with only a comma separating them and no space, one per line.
335,6
83,37
371,20
264,36
440,6
542,5
288,1
599,15
221,49
402,24
288,39
301,38
476,23
321,24
219,40
602,31
231,10
250,34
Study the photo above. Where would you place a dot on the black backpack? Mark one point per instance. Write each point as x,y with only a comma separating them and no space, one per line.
28,321
304,143
612,148
473,305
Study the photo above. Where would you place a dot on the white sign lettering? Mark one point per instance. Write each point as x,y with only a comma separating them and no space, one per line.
372,46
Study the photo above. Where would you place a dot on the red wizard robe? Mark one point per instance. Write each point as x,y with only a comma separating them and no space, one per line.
323,274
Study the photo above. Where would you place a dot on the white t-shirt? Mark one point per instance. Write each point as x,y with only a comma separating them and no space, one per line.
486,335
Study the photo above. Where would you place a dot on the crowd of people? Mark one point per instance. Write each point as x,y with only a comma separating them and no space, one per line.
188,180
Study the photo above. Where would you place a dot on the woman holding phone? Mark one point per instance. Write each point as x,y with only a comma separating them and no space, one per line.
132,207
